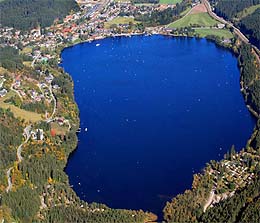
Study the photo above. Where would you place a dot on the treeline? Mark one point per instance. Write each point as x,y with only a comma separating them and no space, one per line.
188,207
242,207
28,14
250,25
11,59
229,9
38,171
24,203
94,215
249,73
164,17
145,1
8,139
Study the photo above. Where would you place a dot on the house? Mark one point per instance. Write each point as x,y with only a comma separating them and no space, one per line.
38,135
220,26
3,93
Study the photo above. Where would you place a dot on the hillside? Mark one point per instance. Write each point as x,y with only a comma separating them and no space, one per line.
27,14
244,14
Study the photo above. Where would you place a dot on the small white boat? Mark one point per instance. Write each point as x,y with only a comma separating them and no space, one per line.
97,44
86,129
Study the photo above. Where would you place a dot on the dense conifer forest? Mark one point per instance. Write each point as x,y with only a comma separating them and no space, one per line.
28,14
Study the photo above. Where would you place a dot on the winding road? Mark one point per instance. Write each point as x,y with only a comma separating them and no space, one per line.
210,199
27,136
9,179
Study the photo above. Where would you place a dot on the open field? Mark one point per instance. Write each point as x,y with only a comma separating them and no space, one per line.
27,50
59,130
3,70
27,63
26,115
174,2
185,11
198,9
226,34
120,20
200,19
247,11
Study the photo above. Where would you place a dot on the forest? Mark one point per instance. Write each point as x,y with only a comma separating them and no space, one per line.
244,205
28,14
11,59
229,9
250,25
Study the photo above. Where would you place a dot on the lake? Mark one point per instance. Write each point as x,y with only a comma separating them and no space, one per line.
153,111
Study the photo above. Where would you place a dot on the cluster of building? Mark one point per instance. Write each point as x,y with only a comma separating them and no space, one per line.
235,173
31,90
86,24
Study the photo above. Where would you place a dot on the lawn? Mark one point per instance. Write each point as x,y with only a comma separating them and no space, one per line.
26,115
199,19
226,34
120,20
26,50
247,11
185,11
27,63
174,2
59,130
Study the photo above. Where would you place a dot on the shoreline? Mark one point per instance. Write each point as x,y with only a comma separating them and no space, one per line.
250,109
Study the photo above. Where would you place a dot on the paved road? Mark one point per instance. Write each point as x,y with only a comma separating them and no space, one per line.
9,179
35,59
236,30
27,136
181,17
50,119
221,20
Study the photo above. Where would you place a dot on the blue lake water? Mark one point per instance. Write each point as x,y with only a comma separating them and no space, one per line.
156,110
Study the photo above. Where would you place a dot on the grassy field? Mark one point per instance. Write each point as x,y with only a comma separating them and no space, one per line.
27,50
200,19
170,1
59,130
185,11
26,115
247,11
119,20
226,34
3,70
27,63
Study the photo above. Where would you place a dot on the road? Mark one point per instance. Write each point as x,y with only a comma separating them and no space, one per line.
210,199
181,17
9,179
50,119
35,59
27,136
221,20
236,30
17,92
